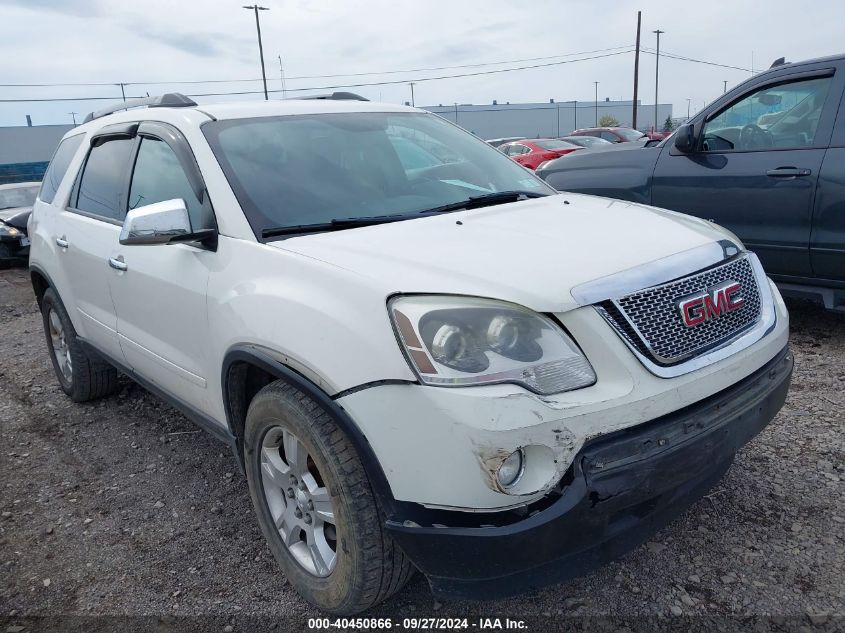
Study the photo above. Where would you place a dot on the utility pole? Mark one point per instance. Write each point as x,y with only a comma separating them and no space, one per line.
575,113
656,76
256,8
597,102
636,71
282,77
688,103
412,93
122,91
73,114
456,112
724,86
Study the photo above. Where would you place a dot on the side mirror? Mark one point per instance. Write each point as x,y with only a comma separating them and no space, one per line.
161,223
685,138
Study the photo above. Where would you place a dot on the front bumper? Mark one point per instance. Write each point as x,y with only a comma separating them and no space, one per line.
620,489
18,245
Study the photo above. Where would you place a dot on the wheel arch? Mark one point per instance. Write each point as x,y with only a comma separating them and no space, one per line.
247,369
40,283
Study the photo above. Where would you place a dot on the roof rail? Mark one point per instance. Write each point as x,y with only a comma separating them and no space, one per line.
339,96
169,100
780,61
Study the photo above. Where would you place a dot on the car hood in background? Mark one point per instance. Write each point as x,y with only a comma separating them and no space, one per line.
532,252
16,217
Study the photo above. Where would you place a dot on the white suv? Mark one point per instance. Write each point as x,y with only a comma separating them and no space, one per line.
422,356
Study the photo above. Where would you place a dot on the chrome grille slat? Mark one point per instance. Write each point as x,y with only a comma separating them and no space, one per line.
650,320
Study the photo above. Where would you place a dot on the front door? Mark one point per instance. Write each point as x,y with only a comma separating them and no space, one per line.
160,296
756,166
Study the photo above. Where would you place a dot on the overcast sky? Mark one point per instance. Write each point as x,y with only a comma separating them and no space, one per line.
100,41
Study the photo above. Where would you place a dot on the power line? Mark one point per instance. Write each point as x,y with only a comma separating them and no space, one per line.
350,85
363,74
651,51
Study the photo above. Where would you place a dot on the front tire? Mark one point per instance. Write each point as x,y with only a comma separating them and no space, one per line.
315,504
81,376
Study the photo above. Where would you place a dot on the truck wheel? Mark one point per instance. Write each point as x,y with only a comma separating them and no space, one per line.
81,377
315,504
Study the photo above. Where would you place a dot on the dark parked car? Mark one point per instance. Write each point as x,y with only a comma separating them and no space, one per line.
16,202
587,141
766,160
612,134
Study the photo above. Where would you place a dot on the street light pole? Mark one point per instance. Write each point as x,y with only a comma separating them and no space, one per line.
725,86
597,102
656,76
688,102
456,112
256,8
73,114
412,93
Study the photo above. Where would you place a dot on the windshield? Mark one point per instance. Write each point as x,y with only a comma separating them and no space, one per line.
553,144
629,134
18,196
587,141
300,170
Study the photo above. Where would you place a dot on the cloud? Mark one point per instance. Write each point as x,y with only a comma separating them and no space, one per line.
199,44
84,8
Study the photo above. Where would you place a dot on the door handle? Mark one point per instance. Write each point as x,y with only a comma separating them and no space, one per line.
61,242
117,264
788,172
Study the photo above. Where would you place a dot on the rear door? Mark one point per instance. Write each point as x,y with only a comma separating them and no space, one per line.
160,296
827,237
757,164
86,232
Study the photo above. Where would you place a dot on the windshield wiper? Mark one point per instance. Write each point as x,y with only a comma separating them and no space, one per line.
486,200
473,202
334,225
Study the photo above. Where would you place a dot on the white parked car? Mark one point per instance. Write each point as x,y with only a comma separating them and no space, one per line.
448,367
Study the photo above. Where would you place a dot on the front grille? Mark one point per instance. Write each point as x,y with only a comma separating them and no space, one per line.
650,320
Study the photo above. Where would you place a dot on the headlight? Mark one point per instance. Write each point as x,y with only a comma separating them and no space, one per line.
8,230
459,341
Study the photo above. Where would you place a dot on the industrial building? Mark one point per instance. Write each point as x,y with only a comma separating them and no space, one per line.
552,119
26,150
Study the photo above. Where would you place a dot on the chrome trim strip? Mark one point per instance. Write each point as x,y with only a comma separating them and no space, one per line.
744,339
654,273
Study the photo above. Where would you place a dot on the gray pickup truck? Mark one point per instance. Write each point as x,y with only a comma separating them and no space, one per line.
766,160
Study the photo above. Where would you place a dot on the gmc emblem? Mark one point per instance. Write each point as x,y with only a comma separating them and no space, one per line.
712,303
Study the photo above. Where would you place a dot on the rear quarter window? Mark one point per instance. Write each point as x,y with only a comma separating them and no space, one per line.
58,167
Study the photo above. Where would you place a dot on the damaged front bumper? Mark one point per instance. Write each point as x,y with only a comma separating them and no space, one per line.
619,490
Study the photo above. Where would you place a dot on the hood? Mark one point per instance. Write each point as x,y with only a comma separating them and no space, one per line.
531,252
16,217
621,165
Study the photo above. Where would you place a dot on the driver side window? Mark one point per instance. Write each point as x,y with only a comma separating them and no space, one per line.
781,116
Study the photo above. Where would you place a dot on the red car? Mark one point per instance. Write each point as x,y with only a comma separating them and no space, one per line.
612,134
531,152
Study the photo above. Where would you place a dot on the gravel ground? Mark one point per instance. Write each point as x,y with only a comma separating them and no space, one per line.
122,507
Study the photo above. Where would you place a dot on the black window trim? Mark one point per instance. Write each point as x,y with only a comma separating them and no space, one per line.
103,136
773,82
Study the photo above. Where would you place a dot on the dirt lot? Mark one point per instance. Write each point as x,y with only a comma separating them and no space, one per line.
122,507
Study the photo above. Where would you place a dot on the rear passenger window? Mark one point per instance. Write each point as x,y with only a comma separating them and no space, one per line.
158,176
58,167
102,187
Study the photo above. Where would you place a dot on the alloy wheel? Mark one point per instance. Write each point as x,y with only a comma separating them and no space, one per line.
299,501
61,349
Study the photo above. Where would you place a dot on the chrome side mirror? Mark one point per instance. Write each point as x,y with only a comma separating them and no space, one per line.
160,223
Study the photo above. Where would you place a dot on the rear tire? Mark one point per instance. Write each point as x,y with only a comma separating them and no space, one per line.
82,377
284,427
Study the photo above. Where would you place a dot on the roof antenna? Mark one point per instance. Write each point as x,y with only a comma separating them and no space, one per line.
780,61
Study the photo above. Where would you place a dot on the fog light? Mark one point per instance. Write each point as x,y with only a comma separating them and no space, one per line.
511,469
